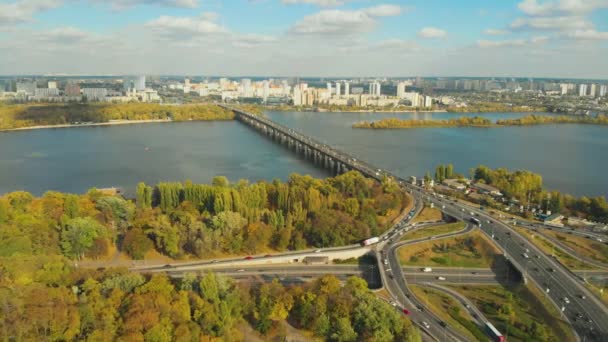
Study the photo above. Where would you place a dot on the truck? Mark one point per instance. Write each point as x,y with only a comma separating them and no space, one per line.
370,241
494,333
427,269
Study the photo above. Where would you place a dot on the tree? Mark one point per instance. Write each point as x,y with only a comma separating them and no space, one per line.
136,243
220,181
144,196
78,236
449,171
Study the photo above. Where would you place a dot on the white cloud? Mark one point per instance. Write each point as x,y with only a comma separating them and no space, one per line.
344,22
186,27
125,4
551,23
397,44
321,3
432,33
501,43
560,7
536,40
495,32
22,11
251,40
588,35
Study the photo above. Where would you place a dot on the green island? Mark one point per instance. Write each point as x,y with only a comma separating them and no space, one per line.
528,120
519,312
16,116
63,260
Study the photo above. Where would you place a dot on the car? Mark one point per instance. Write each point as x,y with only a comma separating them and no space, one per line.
249,257
393,303
167,266
267,255
406,311
566,300
468,306
582,296
240,270
551,269
440,278
420,308
443,324
426,325
578,315
317,251
473,272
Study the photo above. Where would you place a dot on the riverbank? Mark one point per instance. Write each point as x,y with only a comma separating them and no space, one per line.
109,123
479,122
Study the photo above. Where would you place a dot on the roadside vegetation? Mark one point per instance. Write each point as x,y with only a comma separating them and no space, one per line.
601,291
27,115
62,303
519,312
550,248
421,233
467,121
429,214
450,311
469,250
584,247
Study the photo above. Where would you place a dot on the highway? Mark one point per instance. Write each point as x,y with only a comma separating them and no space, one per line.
588,316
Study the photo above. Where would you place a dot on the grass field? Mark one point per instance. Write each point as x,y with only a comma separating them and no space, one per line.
441,305
551,249
469,250
428,214
521,312
433,231
585,247
601,292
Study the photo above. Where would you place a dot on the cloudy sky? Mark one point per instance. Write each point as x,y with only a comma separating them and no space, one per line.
528,38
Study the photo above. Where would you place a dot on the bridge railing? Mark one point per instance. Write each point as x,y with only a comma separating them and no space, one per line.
343,157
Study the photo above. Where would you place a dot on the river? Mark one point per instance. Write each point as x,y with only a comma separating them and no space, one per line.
571,158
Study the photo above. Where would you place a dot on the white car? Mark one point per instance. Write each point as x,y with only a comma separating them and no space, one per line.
566,300
317,251
426,325
440,278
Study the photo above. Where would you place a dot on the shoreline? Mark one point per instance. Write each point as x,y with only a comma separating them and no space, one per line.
109,123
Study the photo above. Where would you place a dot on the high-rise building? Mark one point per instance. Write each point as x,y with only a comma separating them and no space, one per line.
337,88
603,90
52,85
140,83
582,90
346,89
428,102
95,94
592,90
265,90
246,87
374,89
400,90
329,89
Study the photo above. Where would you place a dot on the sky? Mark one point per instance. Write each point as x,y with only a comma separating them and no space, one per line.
309,38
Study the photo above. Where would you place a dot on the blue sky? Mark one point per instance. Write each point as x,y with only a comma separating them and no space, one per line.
535,38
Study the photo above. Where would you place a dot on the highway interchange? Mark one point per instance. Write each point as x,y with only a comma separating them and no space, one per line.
585,312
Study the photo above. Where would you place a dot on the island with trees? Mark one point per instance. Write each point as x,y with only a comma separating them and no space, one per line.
467,121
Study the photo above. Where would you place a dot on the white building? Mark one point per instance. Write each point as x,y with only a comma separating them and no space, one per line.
46,92
52,85
246,91
27,87
338,89
582,90
592,90
346,89
329,88
401,90
428,102
603,90
140,83
95,94
374,88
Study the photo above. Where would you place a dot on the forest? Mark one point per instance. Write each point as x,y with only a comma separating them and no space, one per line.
186,220
28,115
62,303
494,107
45,295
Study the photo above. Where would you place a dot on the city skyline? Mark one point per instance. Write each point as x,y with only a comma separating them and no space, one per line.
320,38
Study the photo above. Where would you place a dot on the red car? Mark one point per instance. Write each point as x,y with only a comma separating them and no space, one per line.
406,311
249,257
